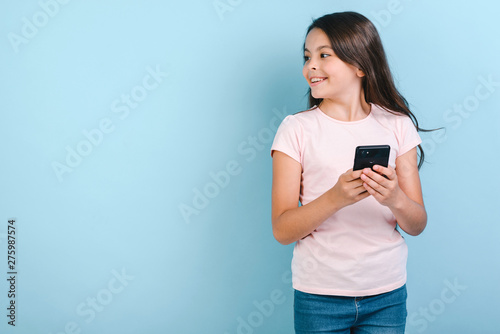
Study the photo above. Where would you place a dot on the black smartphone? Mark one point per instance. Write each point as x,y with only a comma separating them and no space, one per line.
368,156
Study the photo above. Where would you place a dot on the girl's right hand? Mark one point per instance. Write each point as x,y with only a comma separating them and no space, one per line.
348,189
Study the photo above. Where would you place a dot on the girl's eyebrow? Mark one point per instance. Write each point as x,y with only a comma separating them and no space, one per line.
319,48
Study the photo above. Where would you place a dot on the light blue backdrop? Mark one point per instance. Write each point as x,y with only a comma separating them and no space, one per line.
135,143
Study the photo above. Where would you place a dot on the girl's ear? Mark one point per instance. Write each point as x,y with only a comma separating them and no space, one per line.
360,73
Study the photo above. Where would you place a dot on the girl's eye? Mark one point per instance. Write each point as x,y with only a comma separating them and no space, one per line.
323,55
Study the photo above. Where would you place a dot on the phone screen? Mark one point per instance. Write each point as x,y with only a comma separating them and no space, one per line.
370,155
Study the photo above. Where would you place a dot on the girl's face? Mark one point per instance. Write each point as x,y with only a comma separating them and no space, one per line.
327,75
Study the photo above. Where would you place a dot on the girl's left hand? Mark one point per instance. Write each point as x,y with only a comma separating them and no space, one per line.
385,190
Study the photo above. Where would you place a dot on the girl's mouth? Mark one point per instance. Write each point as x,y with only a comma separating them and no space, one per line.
316,81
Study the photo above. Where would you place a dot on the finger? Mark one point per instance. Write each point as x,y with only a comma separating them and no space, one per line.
363,195
356,184
356,188
380,179
373,185
387,171
369,189
373,192
361,189
354,175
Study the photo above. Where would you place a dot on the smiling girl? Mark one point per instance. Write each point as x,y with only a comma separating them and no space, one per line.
349,260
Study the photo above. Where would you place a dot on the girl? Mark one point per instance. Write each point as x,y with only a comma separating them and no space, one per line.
349,260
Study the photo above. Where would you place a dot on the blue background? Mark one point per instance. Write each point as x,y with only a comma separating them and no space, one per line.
111,232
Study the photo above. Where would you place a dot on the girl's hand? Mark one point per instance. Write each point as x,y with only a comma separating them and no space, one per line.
386,189
348,189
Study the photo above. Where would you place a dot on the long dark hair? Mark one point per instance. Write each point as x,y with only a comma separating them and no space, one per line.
355,41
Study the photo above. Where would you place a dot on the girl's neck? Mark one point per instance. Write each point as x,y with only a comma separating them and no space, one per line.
346,110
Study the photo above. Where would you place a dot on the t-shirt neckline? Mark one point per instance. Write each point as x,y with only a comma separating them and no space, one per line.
347,122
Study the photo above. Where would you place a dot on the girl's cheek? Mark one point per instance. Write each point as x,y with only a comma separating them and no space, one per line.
305,73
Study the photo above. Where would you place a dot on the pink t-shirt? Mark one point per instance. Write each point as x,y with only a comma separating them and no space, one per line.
357,251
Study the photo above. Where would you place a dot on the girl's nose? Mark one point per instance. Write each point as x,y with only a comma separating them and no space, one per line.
312,65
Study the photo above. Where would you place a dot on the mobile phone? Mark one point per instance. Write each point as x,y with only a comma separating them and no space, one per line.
368,156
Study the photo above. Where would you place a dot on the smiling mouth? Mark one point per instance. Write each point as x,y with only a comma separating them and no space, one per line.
317,80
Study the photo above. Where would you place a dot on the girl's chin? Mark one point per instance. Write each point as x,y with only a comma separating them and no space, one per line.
318,95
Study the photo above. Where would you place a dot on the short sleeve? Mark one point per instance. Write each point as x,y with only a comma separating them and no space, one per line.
288,138
408,135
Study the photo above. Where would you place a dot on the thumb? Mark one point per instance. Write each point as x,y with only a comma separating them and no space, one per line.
355,174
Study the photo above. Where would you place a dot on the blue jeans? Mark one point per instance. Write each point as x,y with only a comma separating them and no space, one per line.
379,314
